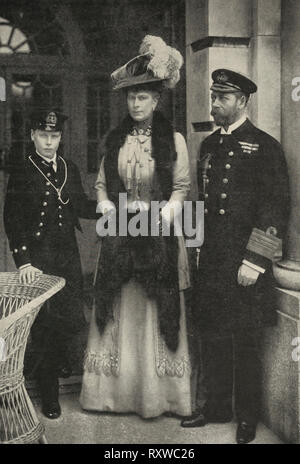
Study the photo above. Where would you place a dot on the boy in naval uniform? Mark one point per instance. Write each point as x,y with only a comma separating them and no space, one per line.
44,202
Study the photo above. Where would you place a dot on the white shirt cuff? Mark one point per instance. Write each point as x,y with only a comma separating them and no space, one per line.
254,266
24,266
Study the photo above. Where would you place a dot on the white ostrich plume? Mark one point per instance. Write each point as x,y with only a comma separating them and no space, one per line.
165,62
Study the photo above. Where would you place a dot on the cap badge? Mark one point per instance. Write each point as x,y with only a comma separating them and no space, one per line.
51,119
222,77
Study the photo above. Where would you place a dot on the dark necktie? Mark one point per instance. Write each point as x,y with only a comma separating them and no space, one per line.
50,167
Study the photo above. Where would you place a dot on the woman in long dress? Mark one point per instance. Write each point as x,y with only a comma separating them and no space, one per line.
137,354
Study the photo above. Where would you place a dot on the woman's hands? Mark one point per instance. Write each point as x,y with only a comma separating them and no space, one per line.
105,207
170,211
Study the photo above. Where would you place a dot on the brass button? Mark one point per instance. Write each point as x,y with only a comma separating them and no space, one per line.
45,203
231,153
42,213
207,181
24,248
38,234
41,224
48,183
222,211
223,195
16,250
206,211
47,193
60,216
209,166
225,180
60,224
206,195
228,166
59,207
48,174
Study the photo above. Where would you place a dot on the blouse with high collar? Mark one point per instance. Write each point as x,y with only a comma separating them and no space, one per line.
136,168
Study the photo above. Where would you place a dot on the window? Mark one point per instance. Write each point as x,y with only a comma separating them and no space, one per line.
97,120
12,40
31,29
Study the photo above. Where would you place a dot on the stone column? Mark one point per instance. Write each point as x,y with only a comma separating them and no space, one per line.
288,270
218,35
261,39
265,63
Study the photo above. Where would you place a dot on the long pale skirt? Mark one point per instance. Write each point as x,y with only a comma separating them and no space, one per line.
129,368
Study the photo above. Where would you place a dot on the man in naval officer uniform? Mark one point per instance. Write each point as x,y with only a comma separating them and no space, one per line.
242,178
44,200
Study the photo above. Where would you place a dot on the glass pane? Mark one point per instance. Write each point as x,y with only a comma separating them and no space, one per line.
17,38
5,33
51,40
56,96
37,30
17,125
92,161
29,148
92,124
17,153
92,96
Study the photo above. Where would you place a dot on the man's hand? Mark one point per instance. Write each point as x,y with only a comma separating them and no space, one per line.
247,276
28,274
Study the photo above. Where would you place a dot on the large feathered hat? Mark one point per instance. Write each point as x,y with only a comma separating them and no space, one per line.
156,62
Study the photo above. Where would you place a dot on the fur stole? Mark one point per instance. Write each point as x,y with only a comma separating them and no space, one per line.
151,261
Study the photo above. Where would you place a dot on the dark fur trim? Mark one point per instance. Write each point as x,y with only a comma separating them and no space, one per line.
163,151
152,261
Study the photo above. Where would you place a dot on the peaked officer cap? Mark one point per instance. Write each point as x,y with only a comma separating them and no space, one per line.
226,80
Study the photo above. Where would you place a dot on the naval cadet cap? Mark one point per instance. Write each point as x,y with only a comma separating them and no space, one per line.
48,120
226,80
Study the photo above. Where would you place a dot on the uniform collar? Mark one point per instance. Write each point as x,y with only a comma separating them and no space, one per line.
47,160
233,126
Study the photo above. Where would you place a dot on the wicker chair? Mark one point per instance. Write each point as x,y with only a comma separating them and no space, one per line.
19,305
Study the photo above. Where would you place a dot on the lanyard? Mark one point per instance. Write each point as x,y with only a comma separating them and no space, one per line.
58,190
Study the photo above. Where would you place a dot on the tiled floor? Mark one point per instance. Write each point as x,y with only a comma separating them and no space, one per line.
82,427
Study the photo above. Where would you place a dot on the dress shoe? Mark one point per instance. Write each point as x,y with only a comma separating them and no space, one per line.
198,419
49,386
245,433
51,410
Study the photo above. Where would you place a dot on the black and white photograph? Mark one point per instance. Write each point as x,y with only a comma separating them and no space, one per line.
149,224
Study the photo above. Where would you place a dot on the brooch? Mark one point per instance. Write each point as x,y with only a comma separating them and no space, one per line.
135,132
